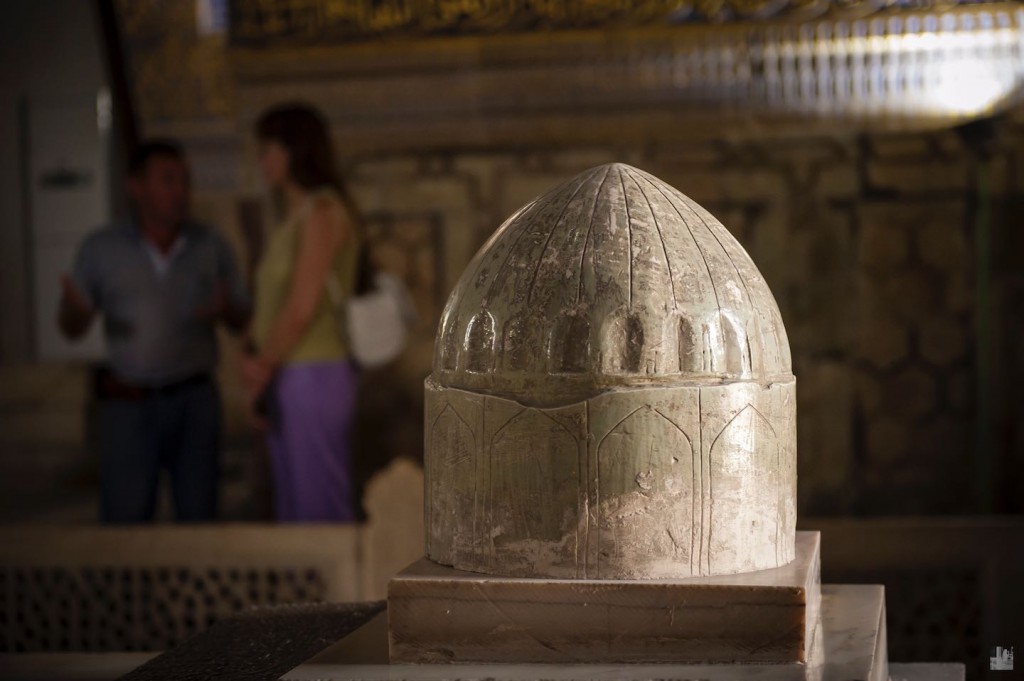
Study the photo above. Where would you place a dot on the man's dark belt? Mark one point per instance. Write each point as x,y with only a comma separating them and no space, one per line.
110,387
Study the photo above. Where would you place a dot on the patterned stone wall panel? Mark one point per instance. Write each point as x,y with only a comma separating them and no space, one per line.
913,351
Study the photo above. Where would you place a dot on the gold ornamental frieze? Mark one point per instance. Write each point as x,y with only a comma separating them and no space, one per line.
513,71
263,22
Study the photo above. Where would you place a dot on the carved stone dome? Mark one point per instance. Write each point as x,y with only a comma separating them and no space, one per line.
612,279
612,395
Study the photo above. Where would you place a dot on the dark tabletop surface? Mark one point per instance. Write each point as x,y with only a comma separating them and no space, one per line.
262,643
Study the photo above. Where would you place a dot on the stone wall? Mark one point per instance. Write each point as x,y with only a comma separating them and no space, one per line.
868,243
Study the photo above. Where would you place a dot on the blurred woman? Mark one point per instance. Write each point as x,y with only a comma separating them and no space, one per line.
300,379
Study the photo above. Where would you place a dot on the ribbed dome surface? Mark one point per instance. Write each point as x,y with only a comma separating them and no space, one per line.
613,279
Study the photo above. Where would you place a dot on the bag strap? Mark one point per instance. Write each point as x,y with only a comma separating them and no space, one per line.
365,270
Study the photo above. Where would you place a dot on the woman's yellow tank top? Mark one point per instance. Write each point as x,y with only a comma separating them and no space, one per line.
323,339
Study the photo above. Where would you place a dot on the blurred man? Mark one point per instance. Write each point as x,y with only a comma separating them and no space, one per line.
162,283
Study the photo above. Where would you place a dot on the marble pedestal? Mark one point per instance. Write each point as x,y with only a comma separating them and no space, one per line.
442,615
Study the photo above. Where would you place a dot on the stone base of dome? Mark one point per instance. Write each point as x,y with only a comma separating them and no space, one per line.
441,615
652,483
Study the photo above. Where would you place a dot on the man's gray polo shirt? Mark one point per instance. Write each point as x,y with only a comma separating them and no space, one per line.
151,318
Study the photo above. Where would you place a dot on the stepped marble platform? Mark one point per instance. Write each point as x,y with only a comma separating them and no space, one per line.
850,645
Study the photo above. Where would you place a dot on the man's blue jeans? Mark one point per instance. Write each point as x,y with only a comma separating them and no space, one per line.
179,431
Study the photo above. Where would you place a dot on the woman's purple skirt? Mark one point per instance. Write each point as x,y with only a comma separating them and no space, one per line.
310,451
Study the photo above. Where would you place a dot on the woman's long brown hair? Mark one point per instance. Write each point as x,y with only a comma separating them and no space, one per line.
301,130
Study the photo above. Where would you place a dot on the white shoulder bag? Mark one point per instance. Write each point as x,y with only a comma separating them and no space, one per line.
375,323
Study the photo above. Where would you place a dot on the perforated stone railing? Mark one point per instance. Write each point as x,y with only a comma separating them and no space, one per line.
148,588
